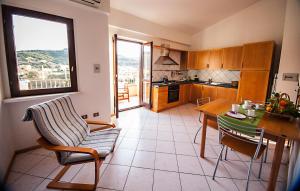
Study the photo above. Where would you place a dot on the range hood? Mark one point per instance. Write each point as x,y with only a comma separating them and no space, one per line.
164,58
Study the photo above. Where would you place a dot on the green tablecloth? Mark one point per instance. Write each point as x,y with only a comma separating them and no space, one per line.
246,126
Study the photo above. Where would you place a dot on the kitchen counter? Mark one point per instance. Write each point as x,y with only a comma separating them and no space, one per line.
161,84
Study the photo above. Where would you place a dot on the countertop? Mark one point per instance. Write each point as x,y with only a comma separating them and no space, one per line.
218,84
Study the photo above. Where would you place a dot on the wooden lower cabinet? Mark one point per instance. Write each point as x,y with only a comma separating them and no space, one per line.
159,98
196,92
184,93
227,93
209,91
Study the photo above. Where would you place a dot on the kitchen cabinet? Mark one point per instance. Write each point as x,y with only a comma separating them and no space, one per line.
253,85
202,60
159,98
184,93
191,60
227,93
195,92
257,56
232,58
215,59
209,91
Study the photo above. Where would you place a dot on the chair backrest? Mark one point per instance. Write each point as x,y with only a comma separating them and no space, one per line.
202,101
58,122
244,133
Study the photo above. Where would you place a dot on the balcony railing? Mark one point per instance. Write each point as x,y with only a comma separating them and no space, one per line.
44,84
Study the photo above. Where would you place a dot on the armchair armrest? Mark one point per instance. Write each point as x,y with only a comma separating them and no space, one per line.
58,148
98,122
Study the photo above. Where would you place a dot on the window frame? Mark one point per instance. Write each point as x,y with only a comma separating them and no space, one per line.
9,39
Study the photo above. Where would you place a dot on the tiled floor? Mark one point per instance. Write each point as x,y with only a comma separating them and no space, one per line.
133,101
154,152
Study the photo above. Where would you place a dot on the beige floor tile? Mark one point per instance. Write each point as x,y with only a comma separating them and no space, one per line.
40,151
139,179
86,175
129,143
165,147
122,157
73,170
26,183
184,149
24,162
208,166
238,169
144,159
147,145
165,136
253,185
181,137
44,168
189,164
164,180
221,184
12,177
43,186
179,129
149,134
190,182
165,161
114,177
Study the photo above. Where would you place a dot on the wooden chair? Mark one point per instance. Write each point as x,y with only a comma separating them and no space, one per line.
123,92
201,101
63,131
249,143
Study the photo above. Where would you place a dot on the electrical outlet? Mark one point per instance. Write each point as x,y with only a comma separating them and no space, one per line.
96,68
84,116
96,114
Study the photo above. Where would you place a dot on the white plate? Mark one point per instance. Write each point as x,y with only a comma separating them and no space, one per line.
237,115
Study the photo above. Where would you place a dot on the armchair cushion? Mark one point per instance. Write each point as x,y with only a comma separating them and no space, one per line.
102,141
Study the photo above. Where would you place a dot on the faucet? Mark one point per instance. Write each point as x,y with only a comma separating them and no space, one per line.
210,80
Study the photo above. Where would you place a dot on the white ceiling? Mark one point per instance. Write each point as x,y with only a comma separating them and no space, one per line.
189,16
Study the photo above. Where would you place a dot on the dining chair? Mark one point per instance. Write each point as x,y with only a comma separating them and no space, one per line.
123,92
201,101
63,131
243,139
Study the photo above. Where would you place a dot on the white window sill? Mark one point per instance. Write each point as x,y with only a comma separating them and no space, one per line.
30,98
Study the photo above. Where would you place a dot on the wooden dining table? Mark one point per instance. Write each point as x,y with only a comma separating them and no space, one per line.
276,129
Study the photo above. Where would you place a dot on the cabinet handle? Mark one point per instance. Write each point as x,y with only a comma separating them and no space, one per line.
207,65
222,66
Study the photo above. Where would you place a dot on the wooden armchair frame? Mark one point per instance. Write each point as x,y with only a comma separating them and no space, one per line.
55,183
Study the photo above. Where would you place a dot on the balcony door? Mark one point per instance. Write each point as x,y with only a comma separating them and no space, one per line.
132,74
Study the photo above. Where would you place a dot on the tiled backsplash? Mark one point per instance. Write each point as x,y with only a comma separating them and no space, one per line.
158,75
217,75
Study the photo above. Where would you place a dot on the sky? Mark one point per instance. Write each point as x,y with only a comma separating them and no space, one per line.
37,34
129,49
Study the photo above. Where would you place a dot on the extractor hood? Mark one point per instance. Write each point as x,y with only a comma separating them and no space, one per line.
164,58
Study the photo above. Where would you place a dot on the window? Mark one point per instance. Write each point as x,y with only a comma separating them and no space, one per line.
40,52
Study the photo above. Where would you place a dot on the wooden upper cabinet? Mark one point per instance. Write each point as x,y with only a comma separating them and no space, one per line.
209,91
257,56
232,58
215,59
253,85
191,60
202,59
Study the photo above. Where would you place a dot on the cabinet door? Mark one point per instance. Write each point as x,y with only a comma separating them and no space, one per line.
203,59
232,58
209,91
253,85
215,59
257,56
182,94
227,93
191,60
196,92
187,93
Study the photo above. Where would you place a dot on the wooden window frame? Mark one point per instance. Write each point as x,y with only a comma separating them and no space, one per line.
7,13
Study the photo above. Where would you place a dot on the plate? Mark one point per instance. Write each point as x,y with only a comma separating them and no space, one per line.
236,115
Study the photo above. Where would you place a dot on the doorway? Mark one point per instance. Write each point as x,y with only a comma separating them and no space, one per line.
132,74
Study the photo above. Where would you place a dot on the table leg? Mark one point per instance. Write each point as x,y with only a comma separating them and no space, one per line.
276,163
203,139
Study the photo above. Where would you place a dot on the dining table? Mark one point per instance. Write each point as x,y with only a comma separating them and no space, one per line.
275,129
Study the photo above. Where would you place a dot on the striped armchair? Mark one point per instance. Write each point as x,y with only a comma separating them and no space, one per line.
63,131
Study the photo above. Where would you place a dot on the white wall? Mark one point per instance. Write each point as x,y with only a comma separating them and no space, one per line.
91,42
129,22
259,22
290,57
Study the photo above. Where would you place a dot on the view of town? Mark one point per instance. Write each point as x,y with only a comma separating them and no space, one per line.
38,69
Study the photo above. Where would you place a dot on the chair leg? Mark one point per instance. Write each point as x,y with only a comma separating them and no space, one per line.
197,133
226,150
218,162
55,184
266,152
249,172
260,167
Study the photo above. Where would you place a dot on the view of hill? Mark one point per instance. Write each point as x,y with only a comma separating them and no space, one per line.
47,56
